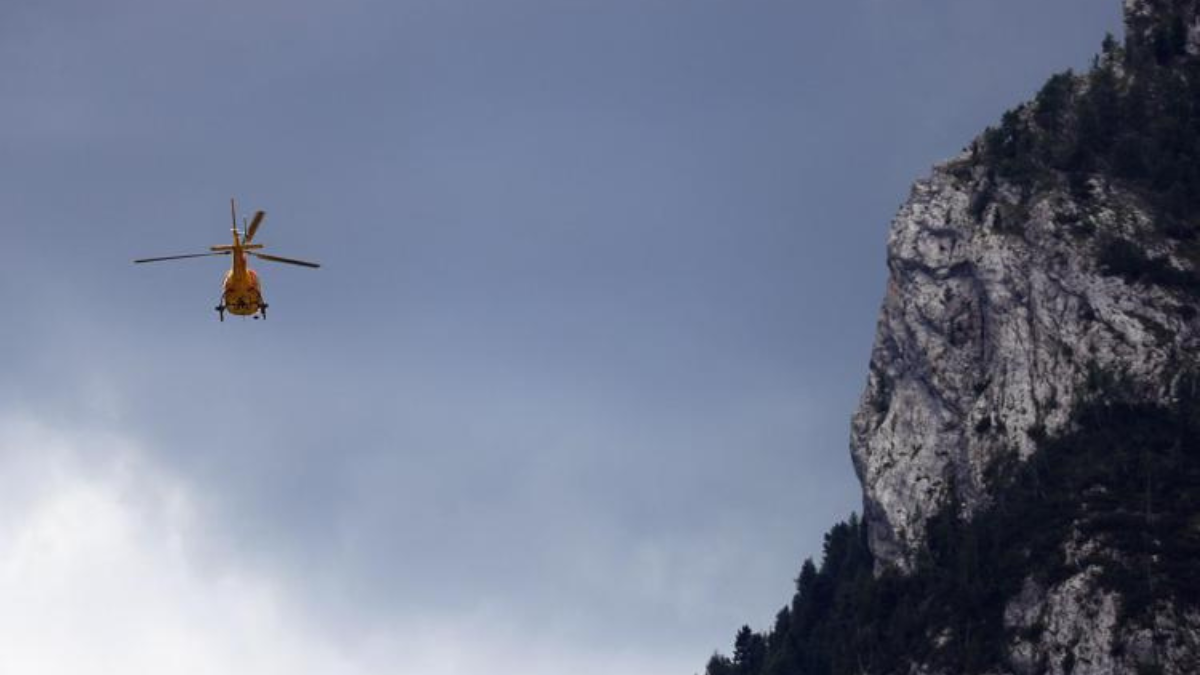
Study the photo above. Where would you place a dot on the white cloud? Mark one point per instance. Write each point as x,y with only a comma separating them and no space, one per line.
106,567
101,572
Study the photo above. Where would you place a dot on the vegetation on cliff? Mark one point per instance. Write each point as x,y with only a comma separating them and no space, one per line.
1135,118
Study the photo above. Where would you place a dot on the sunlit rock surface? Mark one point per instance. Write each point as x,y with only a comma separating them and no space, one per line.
995,313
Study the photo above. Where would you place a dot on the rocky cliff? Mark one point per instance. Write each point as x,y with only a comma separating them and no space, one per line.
1029,438
997,309
1011,285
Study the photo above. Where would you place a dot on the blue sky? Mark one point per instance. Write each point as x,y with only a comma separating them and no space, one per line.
571,392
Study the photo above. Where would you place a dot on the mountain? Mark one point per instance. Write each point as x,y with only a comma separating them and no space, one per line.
1029,438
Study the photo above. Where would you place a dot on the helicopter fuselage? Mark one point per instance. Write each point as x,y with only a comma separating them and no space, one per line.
241,291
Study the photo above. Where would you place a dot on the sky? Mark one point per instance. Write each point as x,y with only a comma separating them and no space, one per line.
572,389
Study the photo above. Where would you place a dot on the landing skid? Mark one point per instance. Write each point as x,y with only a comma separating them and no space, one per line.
262,312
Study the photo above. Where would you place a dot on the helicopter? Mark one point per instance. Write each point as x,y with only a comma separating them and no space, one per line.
241,292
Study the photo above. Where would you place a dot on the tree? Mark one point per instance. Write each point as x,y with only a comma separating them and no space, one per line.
749,652
719,665
1053,102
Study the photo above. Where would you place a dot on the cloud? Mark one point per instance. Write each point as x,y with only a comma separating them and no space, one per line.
101,571
107,565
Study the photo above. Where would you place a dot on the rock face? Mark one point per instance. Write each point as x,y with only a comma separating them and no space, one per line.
997,312
1029,438
1076,626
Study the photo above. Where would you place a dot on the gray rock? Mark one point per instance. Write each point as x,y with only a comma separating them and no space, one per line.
1075,628
996,315
996,311
992,320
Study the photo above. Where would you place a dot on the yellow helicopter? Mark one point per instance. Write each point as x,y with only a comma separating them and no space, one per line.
241,292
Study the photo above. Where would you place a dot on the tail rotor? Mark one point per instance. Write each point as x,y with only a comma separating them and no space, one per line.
248,231
254,223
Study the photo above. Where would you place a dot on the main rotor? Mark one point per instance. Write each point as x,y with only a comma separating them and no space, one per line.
242,243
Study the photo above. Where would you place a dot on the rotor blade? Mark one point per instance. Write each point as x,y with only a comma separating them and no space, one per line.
258,218
290,261
180,257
